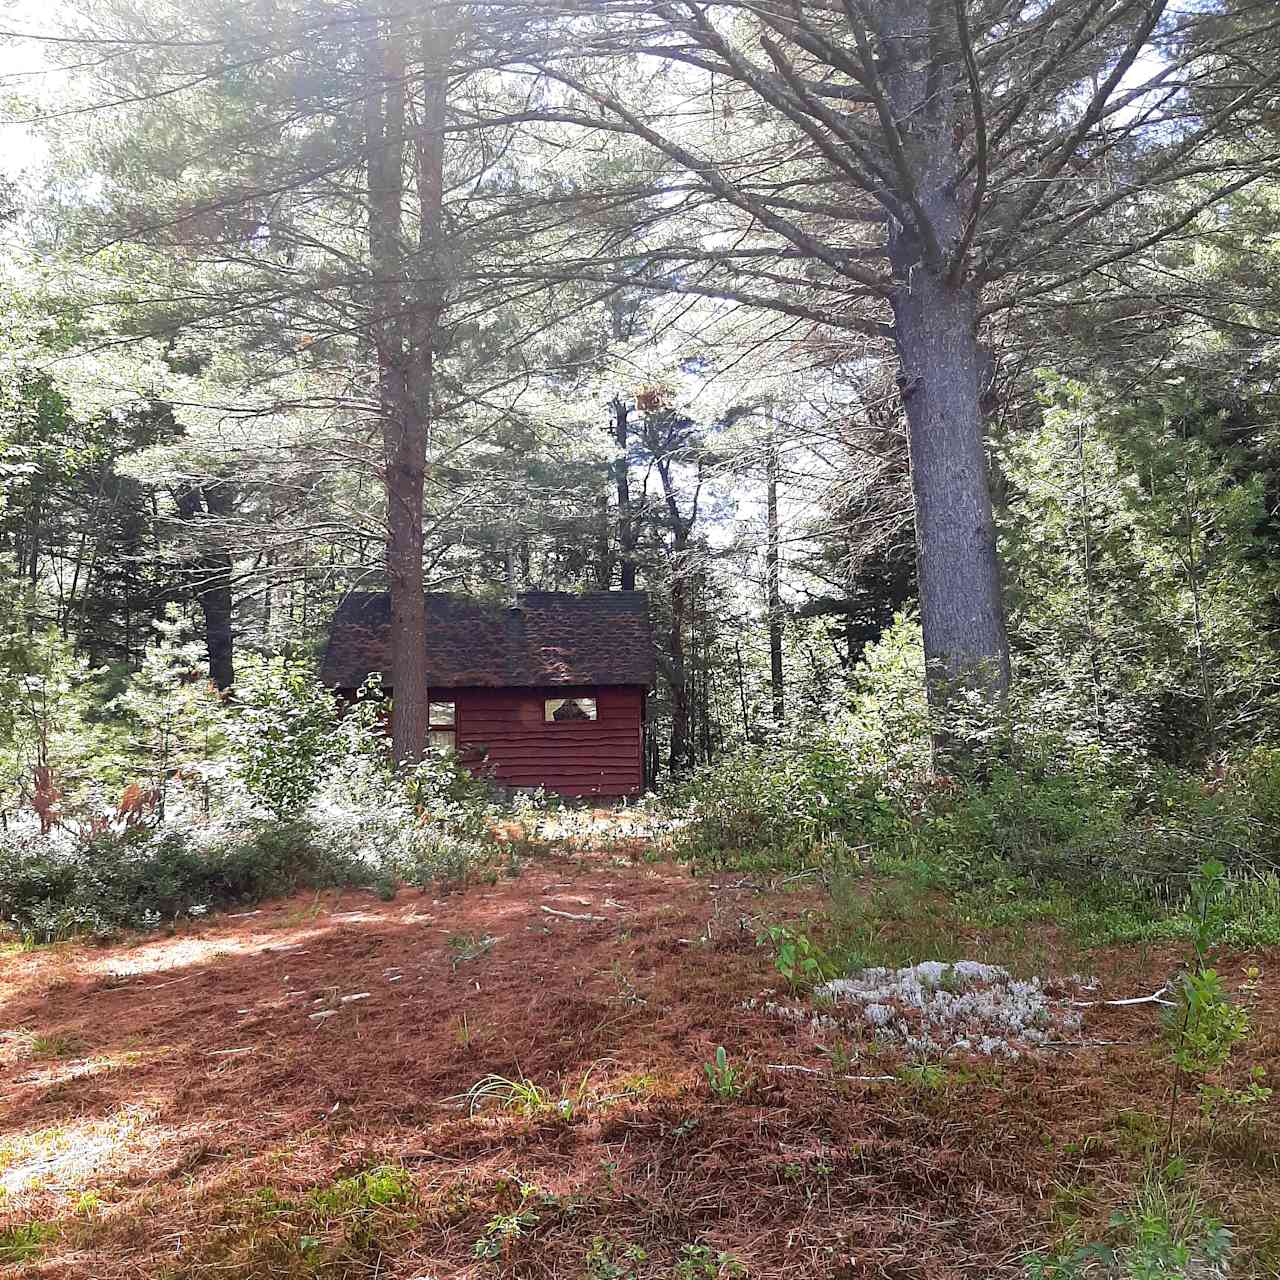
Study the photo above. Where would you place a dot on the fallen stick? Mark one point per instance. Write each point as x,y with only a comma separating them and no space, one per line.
226,1053
1153,998
1088,1044
816,1071
171,983
568,915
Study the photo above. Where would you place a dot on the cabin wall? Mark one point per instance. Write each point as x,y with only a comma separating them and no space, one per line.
601,757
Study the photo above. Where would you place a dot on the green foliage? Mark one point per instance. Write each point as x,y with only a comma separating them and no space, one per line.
1204,1023
927,1077
25,1241
386,1186
173,712
702,1262
337,1223
52,716
799,960
606,1259
521,1096
780,800
467,946
58,1045
282,732
441,789
1138,588
1205,1026
501,1230
141,879
1163,1236
727,1081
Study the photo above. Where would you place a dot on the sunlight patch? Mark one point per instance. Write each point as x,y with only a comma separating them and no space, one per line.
64,1156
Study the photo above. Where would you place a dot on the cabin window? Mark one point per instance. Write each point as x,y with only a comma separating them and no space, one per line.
560,710
442,733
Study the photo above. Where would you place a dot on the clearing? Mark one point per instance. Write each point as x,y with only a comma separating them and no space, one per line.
281,1093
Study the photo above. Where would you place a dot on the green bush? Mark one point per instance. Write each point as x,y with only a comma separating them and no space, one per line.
282,731
142,879
1034,823
777,802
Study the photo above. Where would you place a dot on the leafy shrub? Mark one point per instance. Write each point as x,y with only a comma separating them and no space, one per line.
282,732
778,801
1035,823
141,879
800,961
424,827
1135,834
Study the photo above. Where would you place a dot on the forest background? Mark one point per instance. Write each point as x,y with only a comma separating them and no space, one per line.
919,361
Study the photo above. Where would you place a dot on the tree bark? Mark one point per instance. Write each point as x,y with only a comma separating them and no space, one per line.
961,609
773,559
604,548
679,747
622,486
935,307
210,575
404,432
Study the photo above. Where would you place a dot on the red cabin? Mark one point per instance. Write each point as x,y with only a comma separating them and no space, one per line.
549,692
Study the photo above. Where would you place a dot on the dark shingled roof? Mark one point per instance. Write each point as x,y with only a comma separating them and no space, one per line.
551,638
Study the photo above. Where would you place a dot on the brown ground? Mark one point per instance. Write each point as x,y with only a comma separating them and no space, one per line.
169,1106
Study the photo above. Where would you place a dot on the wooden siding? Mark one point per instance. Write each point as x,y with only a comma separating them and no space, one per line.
601,757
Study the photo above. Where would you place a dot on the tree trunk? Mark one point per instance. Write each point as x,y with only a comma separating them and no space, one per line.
679,751
210,572
961,610
604,549
622,485
935,307
403,427
773,574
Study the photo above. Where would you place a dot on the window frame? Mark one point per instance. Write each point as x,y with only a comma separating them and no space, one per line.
442,726
592,698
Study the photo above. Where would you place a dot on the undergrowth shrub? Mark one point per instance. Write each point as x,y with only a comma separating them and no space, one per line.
1036,828
142,879
1111,834
282,731
1166,1234
780,801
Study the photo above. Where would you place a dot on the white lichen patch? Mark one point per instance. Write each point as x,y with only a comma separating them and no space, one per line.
935,1008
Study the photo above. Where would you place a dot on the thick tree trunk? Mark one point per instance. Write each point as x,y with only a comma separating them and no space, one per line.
961,610
935,306
404,430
